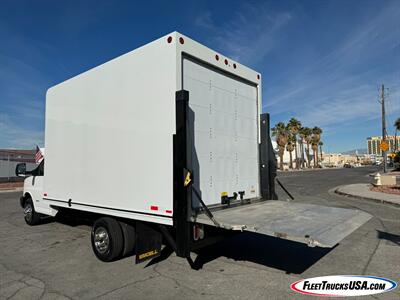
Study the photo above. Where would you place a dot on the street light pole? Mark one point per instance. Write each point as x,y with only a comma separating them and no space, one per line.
384,153
8,167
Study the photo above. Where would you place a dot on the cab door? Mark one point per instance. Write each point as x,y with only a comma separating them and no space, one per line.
34,186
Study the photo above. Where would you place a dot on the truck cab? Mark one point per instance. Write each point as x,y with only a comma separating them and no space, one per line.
32,197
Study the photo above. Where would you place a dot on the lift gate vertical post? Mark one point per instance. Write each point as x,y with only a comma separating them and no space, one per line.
182,194
267,160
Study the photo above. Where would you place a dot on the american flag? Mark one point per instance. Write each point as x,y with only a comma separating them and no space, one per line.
38,155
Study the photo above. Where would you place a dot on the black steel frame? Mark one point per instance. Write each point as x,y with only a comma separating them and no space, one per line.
182,194
267,160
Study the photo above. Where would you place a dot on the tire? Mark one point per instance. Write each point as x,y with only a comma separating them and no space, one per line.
30,215
129,234
107,239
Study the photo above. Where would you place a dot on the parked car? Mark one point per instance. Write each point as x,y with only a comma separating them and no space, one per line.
396,161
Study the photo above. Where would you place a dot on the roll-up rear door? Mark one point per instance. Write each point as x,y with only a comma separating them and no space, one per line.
223,122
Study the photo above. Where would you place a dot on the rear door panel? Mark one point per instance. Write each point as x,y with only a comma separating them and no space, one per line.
223,125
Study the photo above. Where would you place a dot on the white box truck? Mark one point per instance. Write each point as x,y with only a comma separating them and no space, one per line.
167,144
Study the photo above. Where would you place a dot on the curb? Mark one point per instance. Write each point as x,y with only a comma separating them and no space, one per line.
337,191
317,169
306,170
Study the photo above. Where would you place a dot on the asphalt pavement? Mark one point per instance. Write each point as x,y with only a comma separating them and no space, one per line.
55,261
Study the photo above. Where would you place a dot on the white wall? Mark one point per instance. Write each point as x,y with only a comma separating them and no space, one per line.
7,168
286,156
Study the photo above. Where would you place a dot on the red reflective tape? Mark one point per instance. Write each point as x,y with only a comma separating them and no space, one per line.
153,207
168,211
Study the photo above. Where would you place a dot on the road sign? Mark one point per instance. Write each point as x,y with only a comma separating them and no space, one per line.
384,146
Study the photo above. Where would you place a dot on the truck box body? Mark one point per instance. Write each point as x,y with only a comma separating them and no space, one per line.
109,131
112,147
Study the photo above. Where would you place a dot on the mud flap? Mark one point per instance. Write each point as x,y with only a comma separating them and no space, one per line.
148,242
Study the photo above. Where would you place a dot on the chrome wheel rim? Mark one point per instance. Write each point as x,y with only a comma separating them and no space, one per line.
28,212
101,240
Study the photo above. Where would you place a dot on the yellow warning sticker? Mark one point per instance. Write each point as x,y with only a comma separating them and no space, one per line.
148,254
187,179
224,194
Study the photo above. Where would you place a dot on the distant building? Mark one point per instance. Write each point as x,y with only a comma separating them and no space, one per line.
286,154
9,158
374,142
339,159
18,155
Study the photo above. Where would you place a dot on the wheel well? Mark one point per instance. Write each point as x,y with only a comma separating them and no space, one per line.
24,198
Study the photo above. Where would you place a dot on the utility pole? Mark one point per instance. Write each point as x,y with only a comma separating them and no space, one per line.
8,167
384,153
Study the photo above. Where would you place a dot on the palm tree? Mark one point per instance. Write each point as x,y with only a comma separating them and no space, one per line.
397,127
301,141
314,146
320,148
294,127
306,133
290,147
316,133
281,135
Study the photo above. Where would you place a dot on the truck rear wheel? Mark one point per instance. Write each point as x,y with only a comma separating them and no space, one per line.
30,215
107,239
129,234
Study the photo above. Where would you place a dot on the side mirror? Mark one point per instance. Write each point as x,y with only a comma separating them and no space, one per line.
20,170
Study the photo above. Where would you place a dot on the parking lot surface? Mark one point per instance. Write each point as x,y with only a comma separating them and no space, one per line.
54,260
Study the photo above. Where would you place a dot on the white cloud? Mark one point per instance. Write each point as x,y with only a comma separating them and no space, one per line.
205,20
14,136
337,89
351,105
334,79
249,35
22,100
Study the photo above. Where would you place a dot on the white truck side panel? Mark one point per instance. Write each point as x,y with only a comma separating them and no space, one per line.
109,131
109,134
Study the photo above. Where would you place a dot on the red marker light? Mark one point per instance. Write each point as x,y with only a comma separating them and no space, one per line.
45,194
169,39
258,76
226,61
168,211
234,66
216,57
181,40
154,207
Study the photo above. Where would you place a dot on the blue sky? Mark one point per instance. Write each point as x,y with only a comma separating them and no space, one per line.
322,61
